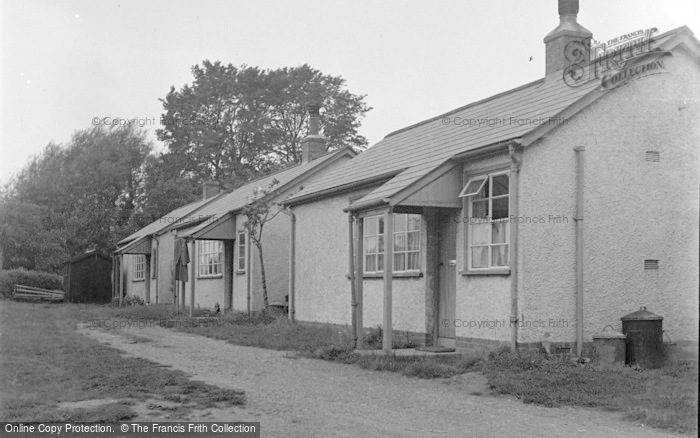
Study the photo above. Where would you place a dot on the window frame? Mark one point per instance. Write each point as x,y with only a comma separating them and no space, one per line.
379,254
138,272
210,254
469,199
241,242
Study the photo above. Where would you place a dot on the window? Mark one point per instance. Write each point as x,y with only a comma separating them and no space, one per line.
139,267
154,263
240,242
489,221
210,255
406,243
374,244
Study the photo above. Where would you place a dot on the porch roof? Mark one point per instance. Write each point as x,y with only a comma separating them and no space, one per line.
220,228
164,222
142,245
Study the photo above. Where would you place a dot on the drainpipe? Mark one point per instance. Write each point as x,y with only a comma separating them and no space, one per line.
155,264
514,185
248,274
579,251
351,271
292,237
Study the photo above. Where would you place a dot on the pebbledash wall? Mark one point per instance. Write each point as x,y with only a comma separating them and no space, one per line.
163,286
657,216
634,210
322,286
209,291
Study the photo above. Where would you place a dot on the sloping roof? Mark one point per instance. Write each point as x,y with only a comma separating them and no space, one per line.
409,154
167,220
86,255
241,196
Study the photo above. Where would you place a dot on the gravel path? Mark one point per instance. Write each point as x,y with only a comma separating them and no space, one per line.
300,397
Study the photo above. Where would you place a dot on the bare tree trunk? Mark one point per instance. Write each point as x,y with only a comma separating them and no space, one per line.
262,273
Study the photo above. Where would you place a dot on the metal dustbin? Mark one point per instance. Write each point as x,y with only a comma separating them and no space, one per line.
609,345
645,345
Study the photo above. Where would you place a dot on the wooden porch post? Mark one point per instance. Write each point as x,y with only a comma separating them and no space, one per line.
248,272
193,260
359,259
147,275
351,272
121,279
228,275
388,274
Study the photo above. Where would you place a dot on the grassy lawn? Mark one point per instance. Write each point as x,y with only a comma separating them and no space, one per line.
44,362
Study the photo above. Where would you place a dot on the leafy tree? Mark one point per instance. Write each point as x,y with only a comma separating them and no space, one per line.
258,211
72,198
233,123
27,240
162,189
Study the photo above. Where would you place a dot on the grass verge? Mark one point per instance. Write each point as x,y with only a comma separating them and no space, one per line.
665,398
44,362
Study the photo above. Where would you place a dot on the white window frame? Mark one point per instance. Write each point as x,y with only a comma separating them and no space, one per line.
139,268
241,243
210,254
379,249
471,197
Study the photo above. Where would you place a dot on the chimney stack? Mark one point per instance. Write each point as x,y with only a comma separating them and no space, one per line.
555,42
209,189
313,145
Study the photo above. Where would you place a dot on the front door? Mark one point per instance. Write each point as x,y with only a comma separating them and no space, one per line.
447,277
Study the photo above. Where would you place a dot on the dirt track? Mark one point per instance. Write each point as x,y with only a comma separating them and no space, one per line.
299,397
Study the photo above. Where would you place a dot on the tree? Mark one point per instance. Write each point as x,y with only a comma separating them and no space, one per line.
233,123
72,198
162,189
258,211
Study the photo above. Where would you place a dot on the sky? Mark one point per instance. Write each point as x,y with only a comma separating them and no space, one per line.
65,63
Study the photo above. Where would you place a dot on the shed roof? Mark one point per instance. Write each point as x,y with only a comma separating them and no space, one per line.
409,154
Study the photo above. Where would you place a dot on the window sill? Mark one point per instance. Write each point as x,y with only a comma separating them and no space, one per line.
495,271
416,274
240,272
135,280
209,277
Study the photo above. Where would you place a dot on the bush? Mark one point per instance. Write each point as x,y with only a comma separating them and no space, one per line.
133,300
44,280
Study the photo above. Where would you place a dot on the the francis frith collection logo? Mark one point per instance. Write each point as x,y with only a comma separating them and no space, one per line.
612,62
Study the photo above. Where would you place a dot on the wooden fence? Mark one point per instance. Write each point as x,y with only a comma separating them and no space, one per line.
35,293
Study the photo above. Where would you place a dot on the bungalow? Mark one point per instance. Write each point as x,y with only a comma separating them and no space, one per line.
138,269
537,216
224,267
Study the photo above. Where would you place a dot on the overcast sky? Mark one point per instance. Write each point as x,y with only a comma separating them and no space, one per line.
67,62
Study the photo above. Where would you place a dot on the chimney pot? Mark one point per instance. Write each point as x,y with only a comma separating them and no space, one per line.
568,7
209,189
313,145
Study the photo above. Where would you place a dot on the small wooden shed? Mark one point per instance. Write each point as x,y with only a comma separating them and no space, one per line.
87,278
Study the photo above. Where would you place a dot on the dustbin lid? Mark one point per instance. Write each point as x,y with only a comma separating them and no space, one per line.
641,314
609,333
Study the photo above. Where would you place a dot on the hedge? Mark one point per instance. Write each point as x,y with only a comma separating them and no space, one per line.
44,280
